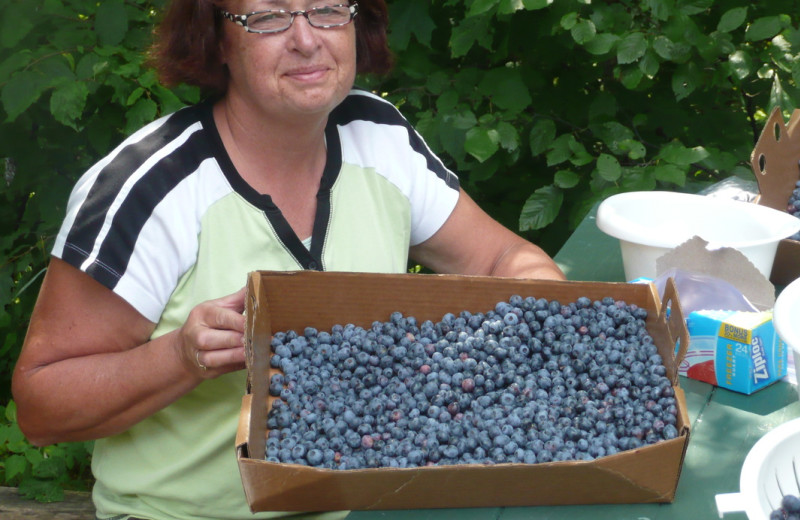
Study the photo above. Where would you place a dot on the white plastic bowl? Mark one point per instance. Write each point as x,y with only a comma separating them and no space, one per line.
770,471
650,223
786,318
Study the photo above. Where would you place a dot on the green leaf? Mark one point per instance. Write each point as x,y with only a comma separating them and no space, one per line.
685,80
34,456
580,156
560,150
569,20
111,22
661,9
509,137
631,48
50,468
602,43
14,63
670,173
566,179
634,149
611,133
637,179
542,136
764,28
15,465
21,91
480,7
778,96
541,208
15,24
584,31
463,119
67,103
90,65
510,6
504,86
135,95
481,143
439,83
41,490
680,155
16,441
608,167
669,50
692,7
477,29
143,112
732,19
631,77
167,99
740,64
533,5
649,64
796,72
11,412
148,79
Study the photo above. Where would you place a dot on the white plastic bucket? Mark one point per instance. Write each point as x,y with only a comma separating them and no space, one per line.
786,318
770,471
650,223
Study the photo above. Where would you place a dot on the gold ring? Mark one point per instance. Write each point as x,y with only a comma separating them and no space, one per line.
197,358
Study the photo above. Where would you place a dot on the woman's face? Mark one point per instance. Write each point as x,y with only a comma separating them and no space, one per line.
301,71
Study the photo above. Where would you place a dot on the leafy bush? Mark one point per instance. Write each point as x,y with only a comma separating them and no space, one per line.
543,107
547,107
41,473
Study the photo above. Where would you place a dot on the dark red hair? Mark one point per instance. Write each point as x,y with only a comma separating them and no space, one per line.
186,47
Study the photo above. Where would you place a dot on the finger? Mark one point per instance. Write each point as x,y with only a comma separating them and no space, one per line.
228,358
233,301
227,312
209,339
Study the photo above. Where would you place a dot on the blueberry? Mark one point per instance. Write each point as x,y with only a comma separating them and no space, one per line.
365,398
791,503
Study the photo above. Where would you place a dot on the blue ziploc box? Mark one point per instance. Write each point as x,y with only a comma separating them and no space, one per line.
736,350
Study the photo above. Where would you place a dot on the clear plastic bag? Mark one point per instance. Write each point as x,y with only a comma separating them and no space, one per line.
697,291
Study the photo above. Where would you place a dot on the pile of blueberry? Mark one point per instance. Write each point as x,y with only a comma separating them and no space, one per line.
793,206
529,381
789,509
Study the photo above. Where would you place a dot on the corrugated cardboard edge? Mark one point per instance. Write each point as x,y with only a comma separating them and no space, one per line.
774,161
284,487
257,360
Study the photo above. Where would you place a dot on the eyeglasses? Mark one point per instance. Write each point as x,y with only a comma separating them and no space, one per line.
279,20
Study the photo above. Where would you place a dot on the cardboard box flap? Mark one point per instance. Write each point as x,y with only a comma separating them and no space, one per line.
611,479
243,429
775,159
257,354
671,316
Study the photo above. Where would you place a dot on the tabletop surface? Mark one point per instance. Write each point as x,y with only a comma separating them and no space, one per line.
724,424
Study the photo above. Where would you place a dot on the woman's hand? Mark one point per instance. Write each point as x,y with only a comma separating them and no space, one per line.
211,342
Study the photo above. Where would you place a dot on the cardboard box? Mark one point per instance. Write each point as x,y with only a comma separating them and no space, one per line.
278,301
736,350
775,162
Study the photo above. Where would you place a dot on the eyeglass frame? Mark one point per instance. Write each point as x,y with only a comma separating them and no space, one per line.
241,19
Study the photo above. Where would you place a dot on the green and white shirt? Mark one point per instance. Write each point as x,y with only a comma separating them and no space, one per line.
166,222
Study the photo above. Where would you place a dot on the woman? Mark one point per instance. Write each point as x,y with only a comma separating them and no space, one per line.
136,339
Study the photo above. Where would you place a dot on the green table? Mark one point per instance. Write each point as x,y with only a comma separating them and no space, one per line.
725,424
